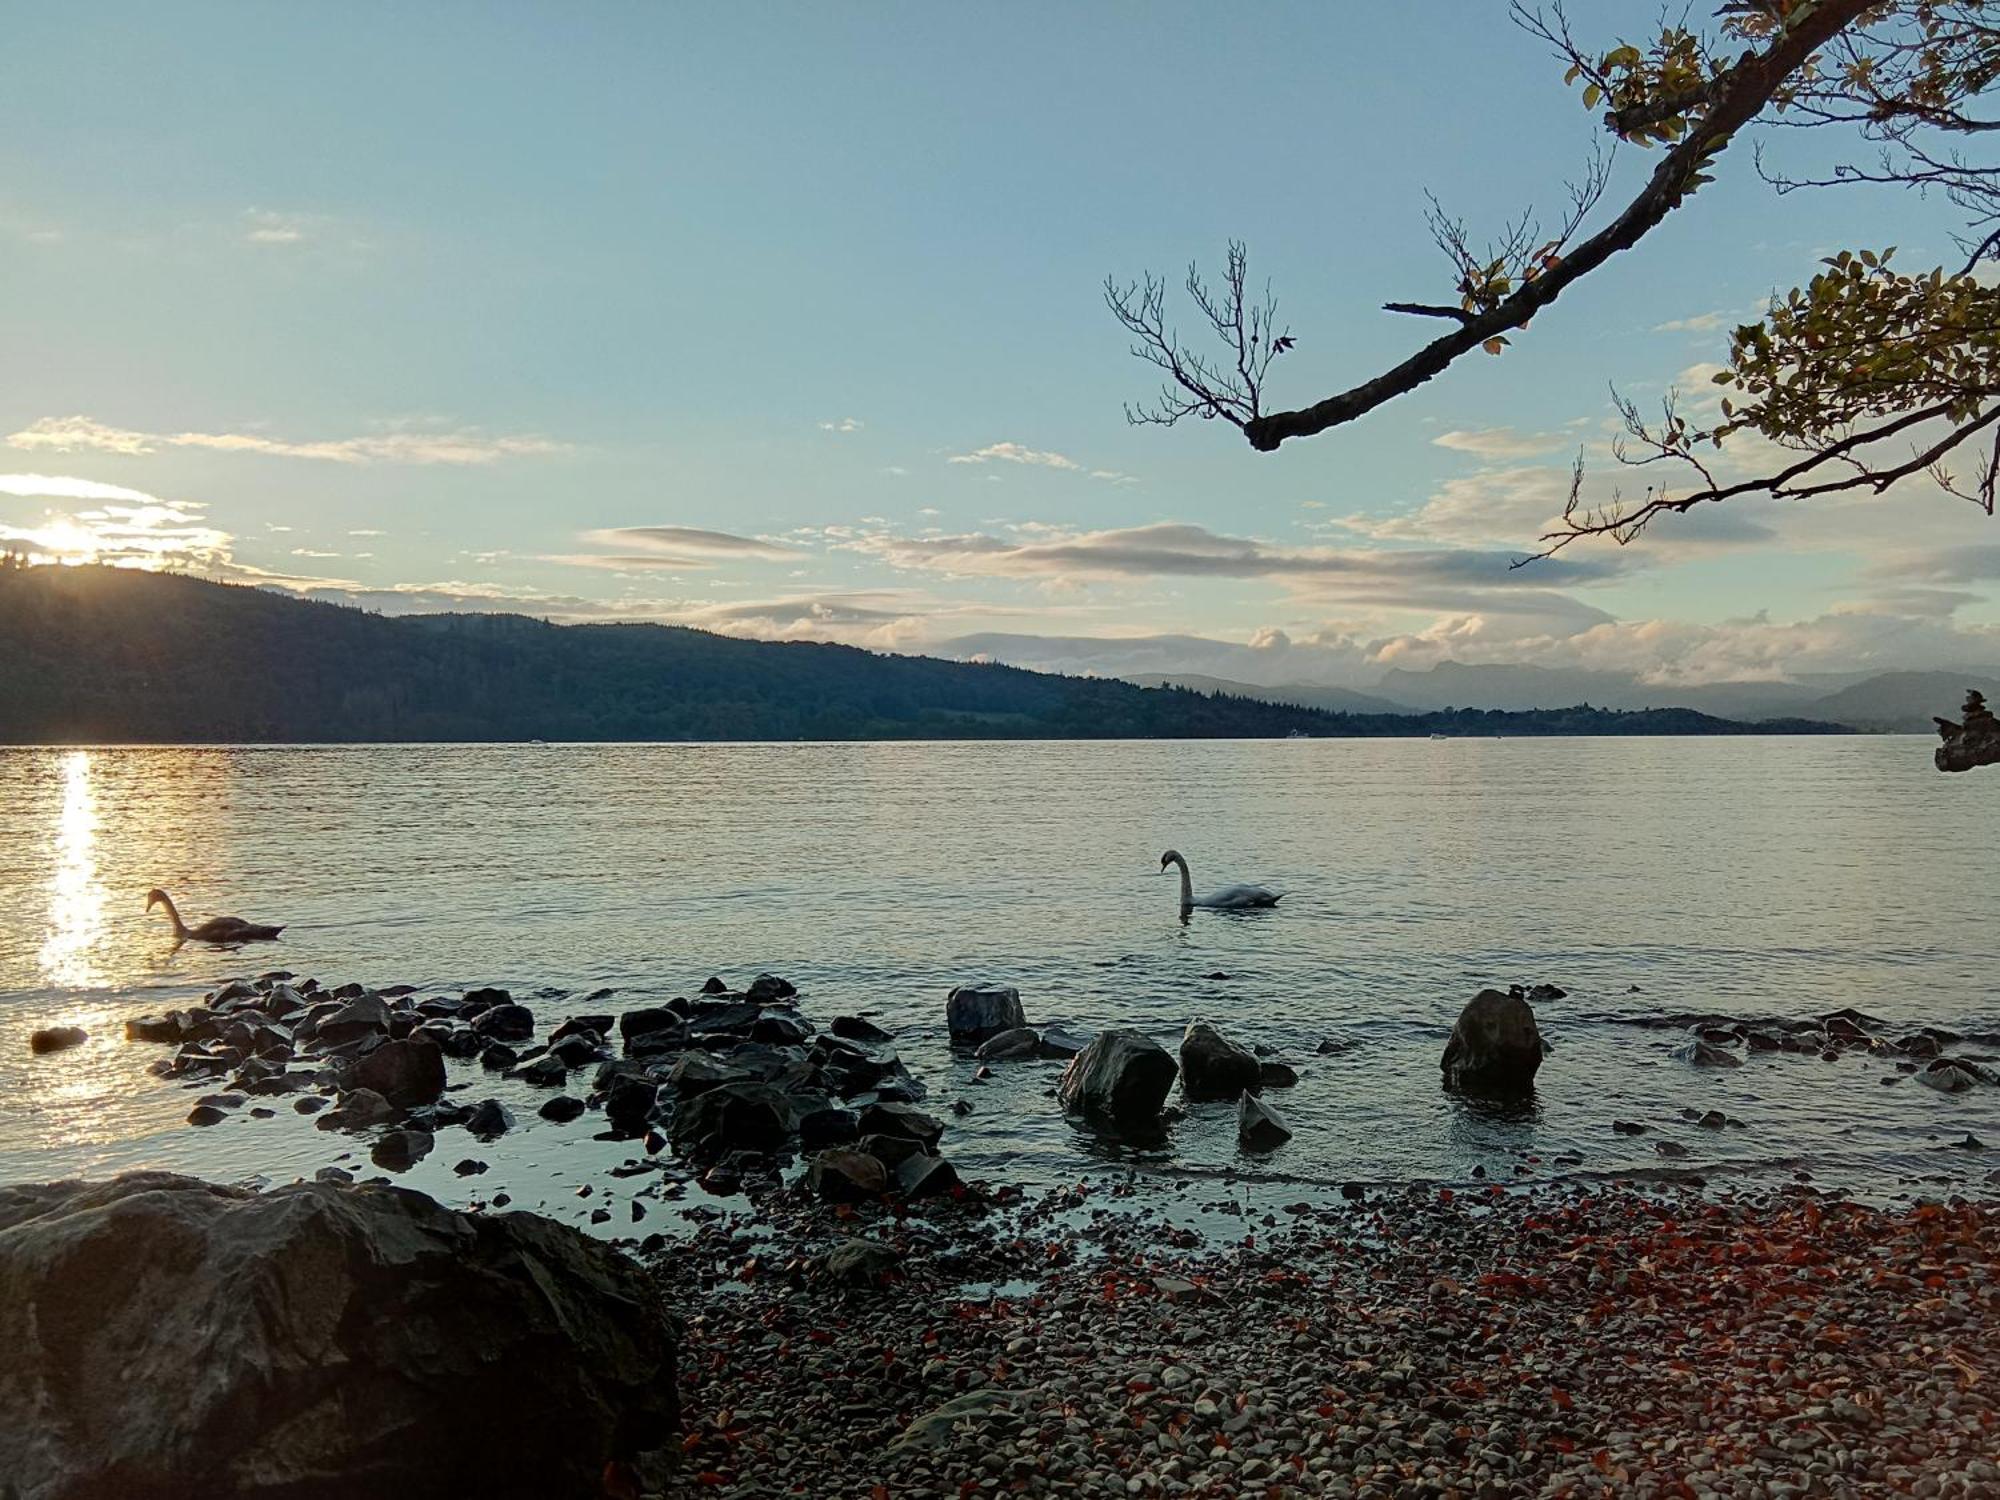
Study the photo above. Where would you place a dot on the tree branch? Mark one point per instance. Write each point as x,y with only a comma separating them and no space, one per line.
1738,97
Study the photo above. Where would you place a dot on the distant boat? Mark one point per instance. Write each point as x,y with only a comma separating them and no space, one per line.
1298,734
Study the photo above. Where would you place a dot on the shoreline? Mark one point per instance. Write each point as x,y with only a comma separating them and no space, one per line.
1423,1343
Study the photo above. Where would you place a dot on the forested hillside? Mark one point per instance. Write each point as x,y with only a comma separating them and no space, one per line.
102,655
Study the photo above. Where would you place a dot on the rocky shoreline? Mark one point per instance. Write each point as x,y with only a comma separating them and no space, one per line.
1419,1343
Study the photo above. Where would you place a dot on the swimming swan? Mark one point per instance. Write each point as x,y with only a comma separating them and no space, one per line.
1229,898
215,929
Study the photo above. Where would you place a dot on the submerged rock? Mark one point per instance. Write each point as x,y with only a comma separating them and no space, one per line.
973,1013
1706,1054
1213,1067
1259,1127
56,1039
1123,1076
163,1341
1017,1041
1495,1046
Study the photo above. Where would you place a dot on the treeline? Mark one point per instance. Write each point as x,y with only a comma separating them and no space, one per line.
103,655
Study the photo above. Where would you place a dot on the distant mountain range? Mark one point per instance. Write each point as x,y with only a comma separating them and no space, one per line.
1875,701
105,655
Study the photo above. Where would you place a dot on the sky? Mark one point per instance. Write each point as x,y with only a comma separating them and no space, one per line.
787,321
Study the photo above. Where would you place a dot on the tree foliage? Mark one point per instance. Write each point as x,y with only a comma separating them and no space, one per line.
1870,373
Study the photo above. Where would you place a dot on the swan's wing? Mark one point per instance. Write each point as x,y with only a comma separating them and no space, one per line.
1241,895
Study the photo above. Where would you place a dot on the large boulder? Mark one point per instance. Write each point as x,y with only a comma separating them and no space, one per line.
1213,1067
1122,1076
734,1117
1494,1047
408,1073
171,1339
972,1012
1259,1127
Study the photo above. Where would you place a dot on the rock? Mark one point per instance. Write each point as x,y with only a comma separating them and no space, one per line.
860,1262
766,988
357,1111
666,1027
597,1028
1706,1054
578,1048
1259,1127
165,1028
830,1125
1547,992
629,1103
1018,1041
1213,1067
698,1072
1333,1046
505,1022
56,1039
561,1109
498,1057
399,1150
363,1016
936,1427
734,1117
1948,1075
780,1028
545,1072
1123,1077
472,1166
855,1029
1277,1075
172,1338
713,985
406,1073
902,1120
926,1177
842,1176
1673,1150
973,1013
1060,1043
1628,1127
1976,742
207,1114
312,1104
489,1120
1495,1047
1714,1119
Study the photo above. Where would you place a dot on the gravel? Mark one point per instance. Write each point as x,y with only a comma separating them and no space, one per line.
1420,1343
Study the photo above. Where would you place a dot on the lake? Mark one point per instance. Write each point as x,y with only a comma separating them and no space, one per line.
1647,877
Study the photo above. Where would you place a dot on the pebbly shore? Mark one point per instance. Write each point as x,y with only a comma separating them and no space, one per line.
1415,1343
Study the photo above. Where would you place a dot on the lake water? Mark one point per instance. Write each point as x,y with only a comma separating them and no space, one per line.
1647,877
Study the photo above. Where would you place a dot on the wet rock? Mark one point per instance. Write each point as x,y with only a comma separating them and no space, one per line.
1259,1127
902,1120
1333,1046
698,1072
543,1073
165,1028
973,1013
860,1262
1920,1045
843,1176
650,1021
561,1109
1213,1067
780,1028
207,1114
578,1048
1949,1075
406,1073
201,1361
1018,1041
855,1029
1673,1150
926,1177
472,1166
1628,1127
1060,1043
362,1016
358,1110
399,1150
312,1104
1123,1077
1495,1046
1277,1075
629,1103
767,988
1714,1119
1546,992
56,1039
733,1117
713,985
498,1058
961,1106
1706,1054
484,999
489,1120
505,1022
597,1028
829,1125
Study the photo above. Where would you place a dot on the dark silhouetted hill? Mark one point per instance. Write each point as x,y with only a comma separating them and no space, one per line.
96,655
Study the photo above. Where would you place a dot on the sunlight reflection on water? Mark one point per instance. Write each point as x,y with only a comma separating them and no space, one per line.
76,895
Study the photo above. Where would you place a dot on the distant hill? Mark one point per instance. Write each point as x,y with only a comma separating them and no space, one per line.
1902,700
1336,700
103,655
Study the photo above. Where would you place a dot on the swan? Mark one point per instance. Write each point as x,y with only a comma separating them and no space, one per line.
215,929
1229,898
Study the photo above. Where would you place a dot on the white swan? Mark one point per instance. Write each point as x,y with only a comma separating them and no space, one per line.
1229,898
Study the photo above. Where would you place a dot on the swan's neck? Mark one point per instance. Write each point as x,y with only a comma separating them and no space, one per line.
174,915
1187,886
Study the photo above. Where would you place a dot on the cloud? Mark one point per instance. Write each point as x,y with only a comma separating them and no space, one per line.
687,539
1498,442
466,446
265,227
1038,458
844,424
62,487
1973,564
1707,322
126,528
